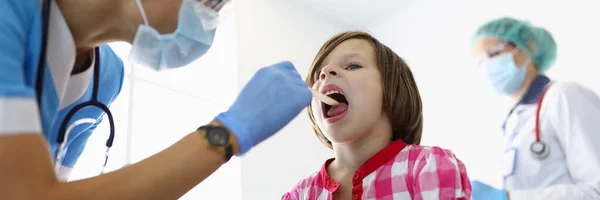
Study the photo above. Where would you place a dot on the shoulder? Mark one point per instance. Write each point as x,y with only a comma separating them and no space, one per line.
565,94
417,160
414,153
302,186
424,160
569,90
569,107
20,29
17,16
436,171
19,10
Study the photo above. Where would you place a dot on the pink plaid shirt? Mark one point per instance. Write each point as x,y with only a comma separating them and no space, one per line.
397,172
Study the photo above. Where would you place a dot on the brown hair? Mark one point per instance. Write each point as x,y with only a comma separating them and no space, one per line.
401,98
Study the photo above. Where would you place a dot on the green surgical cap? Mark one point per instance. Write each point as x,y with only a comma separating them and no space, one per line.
536,42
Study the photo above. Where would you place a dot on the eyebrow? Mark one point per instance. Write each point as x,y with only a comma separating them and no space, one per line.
351,55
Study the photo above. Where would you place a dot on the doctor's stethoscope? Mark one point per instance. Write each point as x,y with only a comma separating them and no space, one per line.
538,148
64,131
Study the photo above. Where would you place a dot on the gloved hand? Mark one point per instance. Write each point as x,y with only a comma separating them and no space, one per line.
482,191
270,100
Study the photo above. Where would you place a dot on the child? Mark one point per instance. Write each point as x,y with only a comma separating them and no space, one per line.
375,130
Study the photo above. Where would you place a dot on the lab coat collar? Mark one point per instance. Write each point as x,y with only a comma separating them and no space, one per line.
533,94
535,90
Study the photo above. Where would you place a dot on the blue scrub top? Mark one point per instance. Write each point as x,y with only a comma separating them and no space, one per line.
111,81
20,43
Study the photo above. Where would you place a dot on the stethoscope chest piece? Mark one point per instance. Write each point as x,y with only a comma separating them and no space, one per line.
539,150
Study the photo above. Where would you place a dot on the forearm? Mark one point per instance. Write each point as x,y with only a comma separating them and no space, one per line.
166,175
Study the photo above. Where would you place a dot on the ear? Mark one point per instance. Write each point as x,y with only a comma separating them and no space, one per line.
522,60
525,61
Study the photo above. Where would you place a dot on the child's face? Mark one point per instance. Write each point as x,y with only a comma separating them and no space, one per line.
350,69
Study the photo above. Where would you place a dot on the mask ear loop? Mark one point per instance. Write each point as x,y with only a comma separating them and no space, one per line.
139,4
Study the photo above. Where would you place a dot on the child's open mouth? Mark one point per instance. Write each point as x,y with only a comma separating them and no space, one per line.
335,113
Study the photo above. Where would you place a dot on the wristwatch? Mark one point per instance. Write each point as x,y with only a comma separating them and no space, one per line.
218,138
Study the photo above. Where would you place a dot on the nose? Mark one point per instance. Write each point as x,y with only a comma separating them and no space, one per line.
328,70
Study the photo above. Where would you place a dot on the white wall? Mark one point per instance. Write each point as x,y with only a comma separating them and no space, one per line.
164,107
270,31
434,37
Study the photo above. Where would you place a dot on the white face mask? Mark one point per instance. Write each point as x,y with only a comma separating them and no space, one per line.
190,41
503,74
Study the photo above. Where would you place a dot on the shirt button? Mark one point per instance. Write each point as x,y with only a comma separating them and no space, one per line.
356,176
355,197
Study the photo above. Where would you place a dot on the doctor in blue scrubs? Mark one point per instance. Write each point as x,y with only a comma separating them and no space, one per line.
552,133
54,58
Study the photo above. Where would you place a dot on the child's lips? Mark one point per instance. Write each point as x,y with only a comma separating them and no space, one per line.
335,92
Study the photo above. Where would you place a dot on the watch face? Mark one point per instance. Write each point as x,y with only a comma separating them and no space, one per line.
217,136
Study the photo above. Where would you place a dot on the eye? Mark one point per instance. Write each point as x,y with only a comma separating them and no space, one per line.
493,54
353,66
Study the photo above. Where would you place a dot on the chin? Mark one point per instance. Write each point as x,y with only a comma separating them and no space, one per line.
340,134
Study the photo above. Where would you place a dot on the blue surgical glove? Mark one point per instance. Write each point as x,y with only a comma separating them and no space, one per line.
270,100
482,191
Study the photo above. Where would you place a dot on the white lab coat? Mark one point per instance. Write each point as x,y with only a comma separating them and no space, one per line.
570,127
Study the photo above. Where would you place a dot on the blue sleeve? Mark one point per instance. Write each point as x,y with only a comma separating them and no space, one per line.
19,36
15,23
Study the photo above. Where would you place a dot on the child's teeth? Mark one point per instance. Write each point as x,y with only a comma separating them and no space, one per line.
331,92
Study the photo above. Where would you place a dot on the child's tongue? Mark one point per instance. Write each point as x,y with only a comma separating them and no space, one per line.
336,110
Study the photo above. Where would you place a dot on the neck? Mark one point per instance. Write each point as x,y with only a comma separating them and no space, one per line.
529,78
350,156
94,23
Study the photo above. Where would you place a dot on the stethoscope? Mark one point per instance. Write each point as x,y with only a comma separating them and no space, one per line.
93,102
538,148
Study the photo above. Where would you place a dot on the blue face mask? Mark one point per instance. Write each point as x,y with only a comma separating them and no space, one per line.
187,43
503,75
